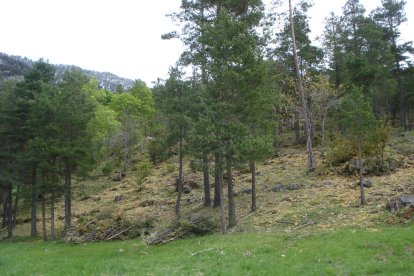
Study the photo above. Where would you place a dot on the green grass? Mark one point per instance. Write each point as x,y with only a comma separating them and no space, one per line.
389,251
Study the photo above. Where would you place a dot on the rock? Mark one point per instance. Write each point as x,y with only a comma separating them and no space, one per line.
96,198
191,200
186,190
191,184
407,200
146,203
188,186
399,203
366,183
280,187
118,177
246,191
119,198
85,197
325,184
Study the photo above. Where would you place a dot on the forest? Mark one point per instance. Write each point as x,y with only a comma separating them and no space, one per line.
249,77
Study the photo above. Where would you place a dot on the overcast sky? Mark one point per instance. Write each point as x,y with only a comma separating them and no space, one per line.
118,36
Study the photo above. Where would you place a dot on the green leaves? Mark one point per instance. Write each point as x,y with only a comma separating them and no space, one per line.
357,116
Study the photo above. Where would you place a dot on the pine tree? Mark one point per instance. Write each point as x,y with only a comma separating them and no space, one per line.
76,110
390,16
359,124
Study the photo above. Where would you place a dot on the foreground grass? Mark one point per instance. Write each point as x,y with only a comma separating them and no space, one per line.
388,251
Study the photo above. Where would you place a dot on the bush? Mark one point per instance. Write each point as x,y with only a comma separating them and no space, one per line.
196,165
144,169
375,146
171,168
158,151
107,168
341,150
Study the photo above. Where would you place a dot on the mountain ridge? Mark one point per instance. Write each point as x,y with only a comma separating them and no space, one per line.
15,67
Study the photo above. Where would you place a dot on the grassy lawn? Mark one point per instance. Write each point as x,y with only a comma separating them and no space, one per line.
387,251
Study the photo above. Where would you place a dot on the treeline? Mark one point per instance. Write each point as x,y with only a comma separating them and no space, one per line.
51,131
250,81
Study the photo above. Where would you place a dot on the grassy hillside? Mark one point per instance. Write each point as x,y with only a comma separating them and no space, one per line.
288,199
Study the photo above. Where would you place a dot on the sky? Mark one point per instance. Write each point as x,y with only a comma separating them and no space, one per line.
118,36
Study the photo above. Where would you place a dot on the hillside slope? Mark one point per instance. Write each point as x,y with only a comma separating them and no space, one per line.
288,199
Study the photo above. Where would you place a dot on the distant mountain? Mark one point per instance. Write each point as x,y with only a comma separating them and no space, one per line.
15,67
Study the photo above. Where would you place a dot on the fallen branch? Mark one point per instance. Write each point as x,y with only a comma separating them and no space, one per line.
245,217
199,252
119,233
305,225
232,230
143,252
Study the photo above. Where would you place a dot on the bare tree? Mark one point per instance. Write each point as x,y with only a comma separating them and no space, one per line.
305,109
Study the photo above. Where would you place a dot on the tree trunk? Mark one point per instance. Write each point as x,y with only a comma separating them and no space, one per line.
206,178
276,136
297,128
401,96
4,206
253,171
44,234
127,139
217,176
68,196
9,213
323,127
180,181
306,112
33,225
361,173
219,168
230,194
16,204
52,216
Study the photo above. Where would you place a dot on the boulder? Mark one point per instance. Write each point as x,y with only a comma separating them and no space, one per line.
119,198
246,191
118,177
146,203
96,198
366,183
188,185
280,187
401,202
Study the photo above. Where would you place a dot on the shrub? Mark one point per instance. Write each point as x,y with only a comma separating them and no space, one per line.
158,151
171,168
107,168
144,168
341,150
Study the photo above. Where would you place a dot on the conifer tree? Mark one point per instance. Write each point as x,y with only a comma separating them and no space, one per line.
359,123
390,16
